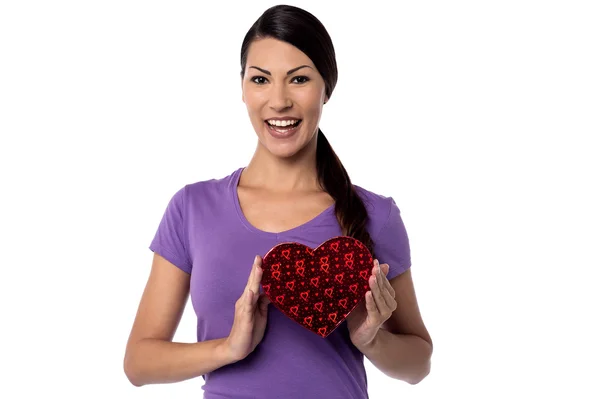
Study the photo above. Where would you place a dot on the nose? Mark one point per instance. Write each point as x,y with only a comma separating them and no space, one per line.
279,97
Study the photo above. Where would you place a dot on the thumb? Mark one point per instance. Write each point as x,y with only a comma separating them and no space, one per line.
264,301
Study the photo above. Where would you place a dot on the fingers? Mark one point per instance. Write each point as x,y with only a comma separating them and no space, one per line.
387,291
248,299
385,287
383,267
251,291
255,275
384,283
263,302
379,299
389,300
370,303
376,293
381,291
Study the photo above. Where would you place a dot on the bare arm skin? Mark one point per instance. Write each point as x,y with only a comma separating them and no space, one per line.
402,348
151,357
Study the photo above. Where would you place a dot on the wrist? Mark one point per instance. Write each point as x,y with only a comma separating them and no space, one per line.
224,353
369,346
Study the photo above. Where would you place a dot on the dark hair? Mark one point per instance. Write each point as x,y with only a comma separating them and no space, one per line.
304,31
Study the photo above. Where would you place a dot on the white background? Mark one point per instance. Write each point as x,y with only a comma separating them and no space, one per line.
478,117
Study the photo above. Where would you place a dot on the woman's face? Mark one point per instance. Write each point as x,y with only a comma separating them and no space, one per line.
269,92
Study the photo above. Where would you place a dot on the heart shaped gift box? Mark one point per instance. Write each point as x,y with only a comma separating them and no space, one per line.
317,288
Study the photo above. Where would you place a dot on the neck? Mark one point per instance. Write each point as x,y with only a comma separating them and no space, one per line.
284,175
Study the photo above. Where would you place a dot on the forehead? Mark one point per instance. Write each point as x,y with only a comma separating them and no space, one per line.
274,55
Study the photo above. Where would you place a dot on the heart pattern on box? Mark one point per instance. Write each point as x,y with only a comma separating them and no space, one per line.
317,288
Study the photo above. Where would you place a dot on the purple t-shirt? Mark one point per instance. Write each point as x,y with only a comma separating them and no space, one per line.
204,232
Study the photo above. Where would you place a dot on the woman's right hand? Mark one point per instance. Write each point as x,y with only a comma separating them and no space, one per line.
250,319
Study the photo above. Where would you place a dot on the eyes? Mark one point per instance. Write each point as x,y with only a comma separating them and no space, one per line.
255,79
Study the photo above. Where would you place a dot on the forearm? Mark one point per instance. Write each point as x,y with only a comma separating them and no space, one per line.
154,361
401,356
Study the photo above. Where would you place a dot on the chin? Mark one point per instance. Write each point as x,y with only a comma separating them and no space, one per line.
284,148
284,153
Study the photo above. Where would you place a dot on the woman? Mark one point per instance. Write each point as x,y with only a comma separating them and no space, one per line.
294,190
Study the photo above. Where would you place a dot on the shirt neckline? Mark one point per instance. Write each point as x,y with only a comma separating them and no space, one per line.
252,228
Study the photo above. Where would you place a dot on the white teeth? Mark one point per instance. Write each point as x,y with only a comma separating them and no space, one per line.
282,123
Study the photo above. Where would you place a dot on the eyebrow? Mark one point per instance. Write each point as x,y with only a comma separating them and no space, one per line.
291,71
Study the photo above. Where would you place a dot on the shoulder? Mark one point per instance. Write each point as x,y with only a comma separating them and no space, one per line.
208,191
386,227
379,208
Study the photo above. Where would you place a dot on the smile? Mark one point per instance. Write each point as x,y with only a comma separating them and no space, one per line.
283,132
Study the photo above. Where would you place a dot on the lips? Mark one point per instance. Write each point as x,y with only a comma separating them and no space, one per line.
281,131
283,118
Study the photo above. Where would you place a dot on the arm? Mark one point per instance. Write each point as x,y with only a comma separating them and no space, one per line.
402,348
151,357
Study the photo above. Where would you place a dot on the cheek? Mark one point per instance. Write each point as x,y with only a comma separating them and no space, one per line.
253,104
256,104
310,101
313,111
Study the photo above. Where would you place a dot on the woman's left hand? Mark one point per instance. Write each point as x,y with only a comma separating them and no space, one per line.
366,319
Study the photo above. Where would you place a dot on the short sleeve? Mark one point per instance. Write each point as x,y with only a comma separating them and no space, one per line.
170,240
391,245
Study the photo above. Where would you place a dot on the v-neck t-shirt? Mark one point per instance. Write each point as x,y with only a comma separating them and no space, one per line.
204,232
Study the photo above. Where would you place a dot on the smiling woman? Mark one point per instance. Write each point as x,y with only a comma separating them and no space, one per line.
288,88
295,189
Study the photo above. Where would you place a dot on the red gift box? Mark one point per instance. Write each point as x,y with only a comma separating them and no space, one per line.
317,288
